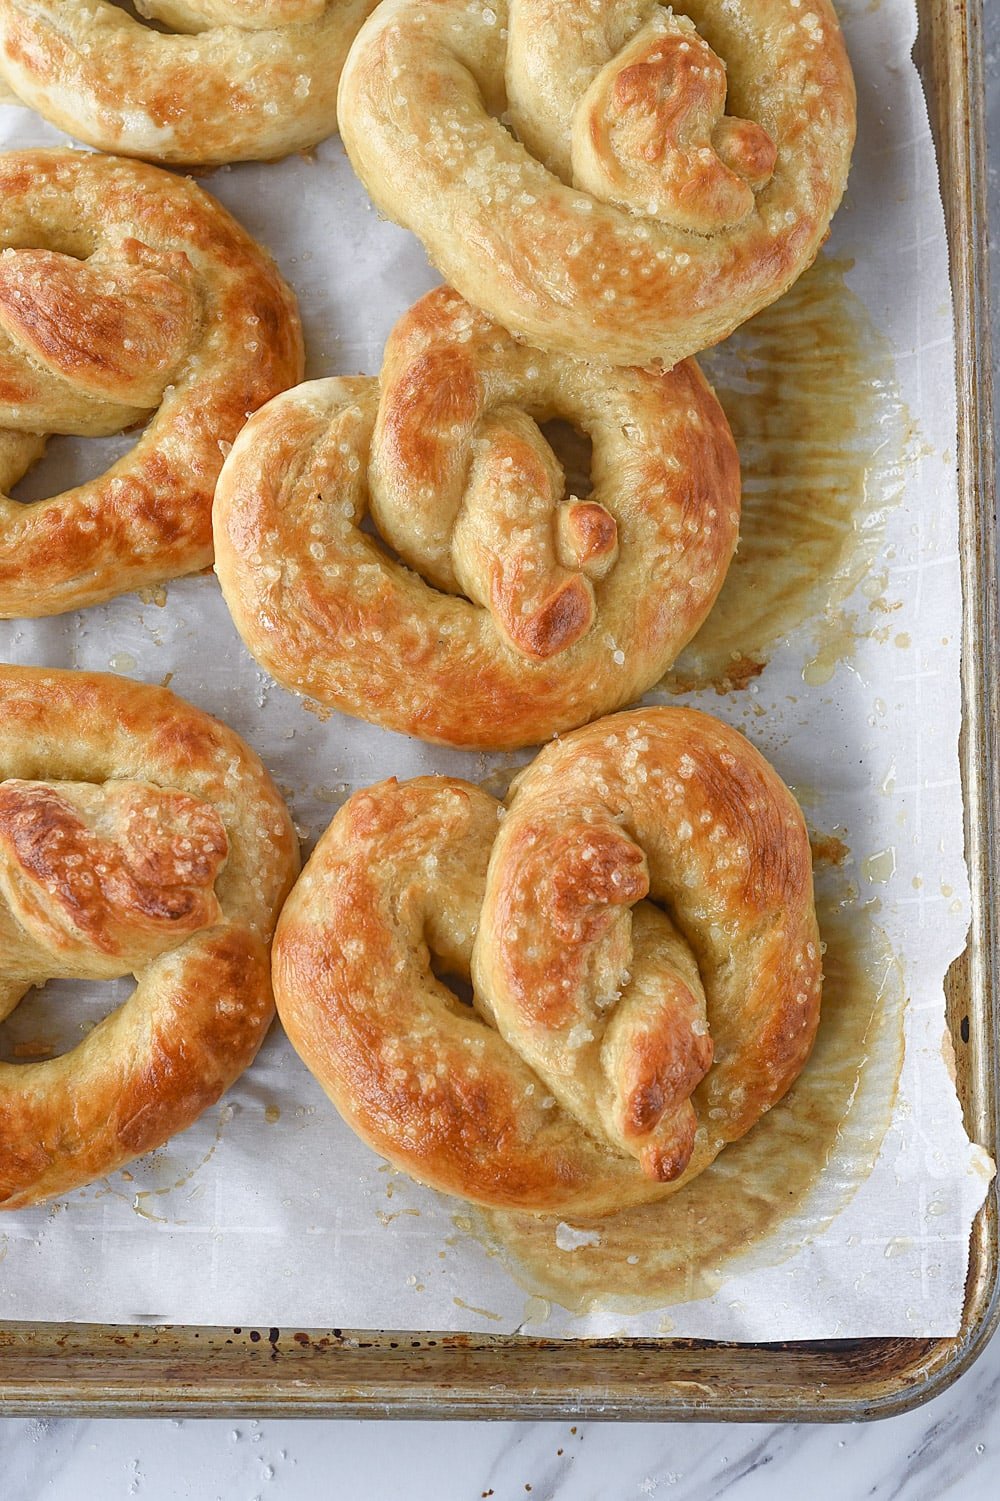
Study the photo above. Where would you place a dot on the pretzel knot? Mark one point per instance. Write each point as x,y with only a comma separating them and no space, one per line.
572,168
125,294
137,836
524,608
639,927
243,79
650,133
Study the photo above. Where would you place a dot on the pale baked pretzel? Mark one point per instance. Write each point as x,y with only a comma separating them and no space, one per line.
137,836
125,291
537,613
617,1043
571,167
242,80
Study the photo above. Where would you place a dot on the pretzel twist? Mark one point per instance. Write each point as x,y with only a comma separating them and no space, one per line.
572,167
242,80
125,292
137,836
526,612
639,927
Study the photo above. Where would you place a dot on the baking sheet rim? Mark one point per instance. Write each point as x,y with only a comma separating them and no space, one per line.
119,1370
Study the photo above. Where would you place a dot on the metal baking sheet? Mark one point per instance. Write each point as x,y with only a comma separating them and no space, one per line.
99,1369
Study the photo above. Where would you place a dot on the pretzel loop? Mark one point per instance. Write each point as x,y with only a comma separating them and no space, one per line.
617,182
243,80
137,836
639,927
126,296
523,609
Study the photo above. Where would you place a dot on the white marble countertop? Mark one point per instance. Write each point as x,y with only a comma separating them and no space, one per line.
947,1448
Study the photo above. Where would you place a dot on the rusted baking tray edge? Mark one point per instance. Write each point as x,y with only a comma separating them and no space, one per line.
100,1370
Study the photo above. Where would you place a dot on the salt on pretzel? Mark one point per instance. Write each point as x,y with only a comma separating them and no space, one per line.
137,836
639,927
126,293
570,165
520,612
240,80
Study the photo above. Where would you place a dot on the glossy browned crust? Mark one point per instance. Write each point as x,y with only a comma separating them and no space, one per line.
519,613
125,291
245,79
638,923
622,216
109,868
137,835
115,327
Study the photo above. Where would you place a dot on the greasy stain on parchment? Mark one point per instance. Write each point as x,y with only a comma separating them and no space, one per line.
824,442
164,1171
755,1205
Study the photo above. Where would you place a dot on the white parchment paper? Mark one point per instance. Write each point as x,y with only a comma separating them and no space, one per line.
269,1211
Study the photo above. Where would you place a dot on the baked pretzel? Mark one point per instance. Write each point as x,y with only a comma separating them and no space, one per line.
245,80
638,923
524,613
571,168
125,291
137,836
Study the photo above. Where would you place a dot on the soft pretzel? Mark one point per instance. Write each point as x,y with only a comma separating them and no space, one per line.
525,613
243,79
571,168
638,922
137,836
125,291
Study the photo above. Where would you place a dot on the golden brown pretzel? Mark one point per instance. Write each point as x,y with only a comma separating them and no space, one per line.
537,613
617,1043
571,168
137,836
125,291
243,80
